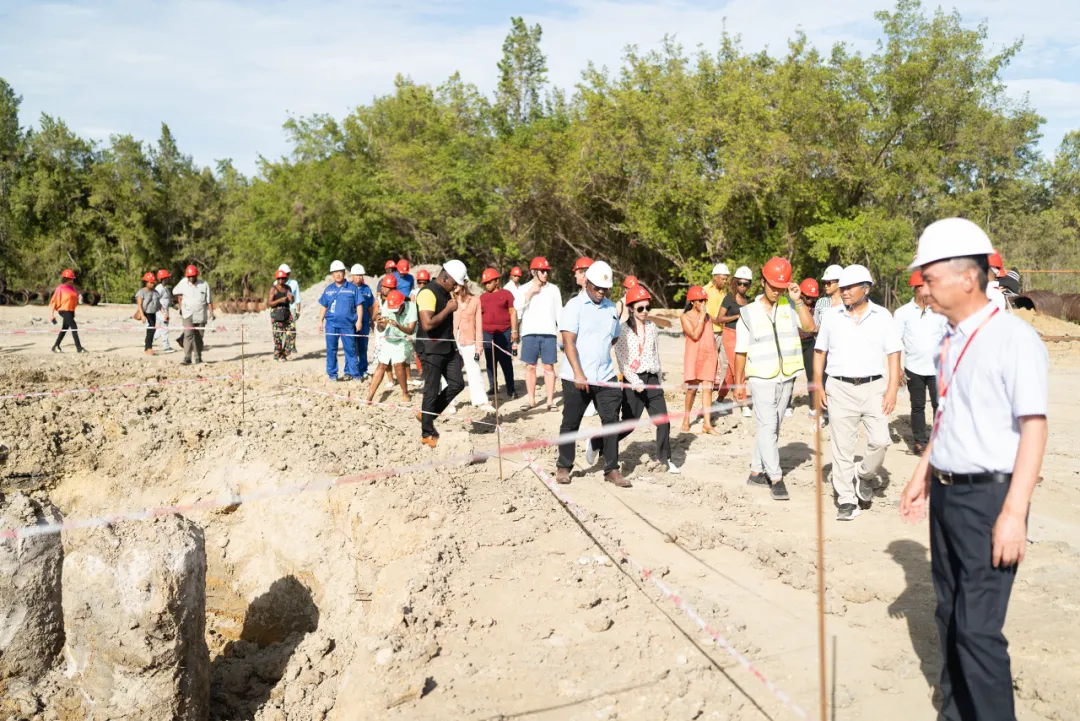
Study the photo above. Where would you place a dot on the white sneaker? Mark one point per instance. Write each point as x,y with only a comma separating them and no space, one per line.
168,349
450,410
590,452
746,412
812,413
787,412
672,468
487,408
591,410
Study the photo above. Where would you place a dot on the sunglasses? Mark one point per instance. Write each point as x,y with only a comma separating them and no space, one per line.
542,270
742,283
641,309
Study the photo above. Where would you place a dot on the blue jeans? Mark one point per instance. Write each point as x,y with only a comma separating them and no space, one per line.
361,353
344,331
497,350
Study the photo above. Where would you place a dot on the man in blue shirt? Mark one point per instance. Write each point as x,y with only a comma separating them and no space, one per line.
405,280
340,315
367,303
589,327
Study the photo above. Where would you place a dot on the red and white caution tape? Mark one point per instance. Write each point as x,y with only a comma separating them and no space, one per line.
117,329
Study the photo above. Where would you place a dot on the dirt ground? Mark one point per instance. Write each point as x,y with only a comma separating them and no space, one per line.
451,593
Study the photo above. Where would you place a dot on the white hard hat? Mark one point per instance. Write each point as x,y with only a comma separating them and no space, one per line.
285,268
357,270
951,238
720,269
832,272
743,273
855,274
456,270
336,266
600,275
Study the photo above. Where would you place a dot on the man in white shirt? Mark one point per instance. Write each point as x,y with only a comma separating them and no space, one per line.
921,331
196,309
514,284
980,469
858,337
538,304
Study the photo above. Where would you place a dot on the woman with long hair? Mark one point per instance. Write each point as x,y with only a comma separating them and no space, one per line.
700,358
468,333
278,299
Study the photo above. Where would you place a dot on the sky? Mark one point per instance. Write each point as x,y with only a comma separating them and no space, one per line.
225,74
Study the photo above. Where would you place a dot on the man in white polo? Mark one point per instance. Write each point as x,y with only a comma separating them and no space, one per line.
921,330
860,340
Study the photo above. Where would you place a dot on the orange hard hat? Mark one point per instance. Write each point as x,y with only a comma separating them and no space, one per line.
403,266
582,263
489,275
389,281
809,287
777,272
389,265
280,274
515,272
191,271
423,275
636,293
394,299
163,274
68,274
696,292
995,260
539,263
915,280
149,277
629,281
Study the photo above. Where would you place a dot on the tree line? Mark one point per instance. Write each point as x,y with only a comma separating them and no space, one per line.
662,167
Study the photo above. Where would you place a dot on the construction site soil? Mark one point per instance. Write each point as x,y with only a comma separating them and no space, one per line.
449,592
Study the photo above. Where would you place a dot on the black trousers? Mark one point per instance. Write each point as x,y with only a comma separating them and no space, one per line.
634,403
437,366
151,321
497,349
808,362
608,402
918,386
68,316
973,597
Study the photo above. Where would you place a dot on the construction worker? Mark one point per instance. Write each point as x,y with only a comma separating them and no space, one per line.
830,298
580,266
589,329
341,318
165,300
810,291
500,327
294,309
65,299
386,285
979,469
538,305
149,303
514,284
768,356
921,330
196,309
279,301
715,294
405,281
435,343
993,286
422,279
367,301
394,327
858,337
390,268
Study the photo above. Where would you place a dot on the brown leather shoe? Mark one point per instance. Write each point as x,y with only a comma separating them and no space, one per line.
562,475
616,478
430,441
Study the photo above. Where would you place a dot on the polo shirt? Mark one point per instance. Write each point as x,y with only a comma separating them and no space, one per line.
495,310
857,348
596,326
540,314
1002,377
921,331
714,298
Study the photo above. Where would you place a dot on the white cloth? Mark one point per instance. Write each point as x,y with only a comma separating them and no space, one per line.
857,348
514,288
473,375
540,314
996,296
1002,377
294,288
163,319
921,331
195,301
742,344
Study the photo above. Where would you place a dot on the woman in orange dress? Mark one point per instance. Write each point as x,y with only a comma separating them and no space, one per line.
700,358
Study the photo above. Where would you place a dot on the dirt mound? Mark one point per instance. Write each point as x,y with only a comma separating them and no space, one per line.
1048,325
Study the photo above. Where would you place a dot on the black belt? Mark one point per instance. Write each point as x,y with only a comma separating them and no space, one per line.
950,479
857,381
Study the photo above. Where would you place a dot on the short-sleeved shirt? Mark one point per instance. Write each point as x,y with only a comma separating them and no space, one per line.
294,288
495,310
1002,378
195,300
151,301
340,302
857,347
921,330
406,316
367,299
164,297
823,306
405,283
714,299
730,306
596,326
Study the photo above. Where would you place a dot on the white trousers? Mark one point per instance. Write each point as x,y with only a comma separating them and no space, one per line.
163,331
770,398
850,405
474,376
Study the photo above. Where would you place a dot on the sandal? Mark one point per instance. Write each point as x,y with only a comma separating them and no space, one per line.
685,428
552,407
710,431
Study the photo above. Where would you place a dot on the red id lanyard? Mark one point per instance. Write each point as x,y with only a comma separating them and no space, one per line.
943,387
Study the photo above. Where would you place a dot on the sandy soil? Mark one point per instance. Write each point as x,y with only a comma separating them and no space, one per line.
454,594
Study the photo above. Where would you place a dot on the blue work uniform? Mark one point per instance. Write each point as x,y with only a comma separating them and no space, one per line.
367,299
340,302
405,282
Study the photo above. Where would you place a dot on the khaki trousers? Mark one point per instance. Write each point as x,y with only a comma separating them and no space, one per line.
850,405
770,398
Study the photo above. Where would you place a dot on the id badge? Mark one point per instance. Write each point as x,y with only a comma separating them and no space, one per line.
634,365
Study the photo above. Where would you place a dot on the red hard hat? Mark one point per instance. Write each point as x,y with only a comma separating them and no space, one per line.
582,263
809,287
403,266
636,293
394,299
539,263
149,277
629,281
489,275
389,281
280,274
390,265
423,275
68,274
515,272
915,280
191,271
995,260
163,274
777,272
696,292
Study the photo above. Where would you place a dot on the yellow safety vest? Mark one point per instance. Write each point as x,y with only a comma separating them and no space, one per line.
772,344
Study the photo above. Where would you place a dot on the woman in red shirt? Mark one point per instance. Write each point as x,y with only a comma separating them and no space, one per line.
500,325
64,301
